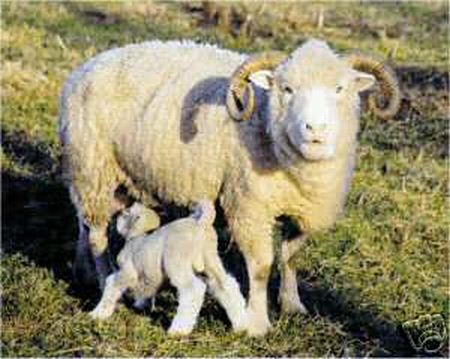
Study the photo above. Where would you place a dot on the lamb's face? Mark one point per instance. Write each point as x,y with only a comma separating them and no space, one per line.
313,102
136,221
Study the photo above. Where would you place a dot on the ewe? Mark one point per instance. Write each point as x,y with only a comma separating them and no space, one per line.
178,250
162,119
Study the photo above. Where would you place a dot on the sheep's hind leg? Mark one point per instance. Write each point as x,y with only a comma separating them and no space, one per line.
289,296
99,242
83,272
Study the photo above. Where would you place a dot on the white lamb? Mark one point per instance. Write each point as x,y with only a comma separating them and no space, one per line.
178,250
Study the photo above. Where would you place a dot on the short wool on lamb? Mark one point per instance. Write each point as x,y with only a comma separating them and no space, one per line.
179,251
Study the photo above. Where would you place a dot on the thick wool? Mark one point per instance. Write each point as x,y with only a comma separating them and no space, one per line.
178,251
152,116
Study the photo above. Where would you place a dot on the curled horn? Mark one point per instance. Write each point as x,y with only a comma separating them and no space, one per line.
238,108
389,88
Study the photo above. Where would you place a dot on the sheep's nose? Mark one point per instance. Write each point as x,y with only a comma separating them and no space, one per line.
314,129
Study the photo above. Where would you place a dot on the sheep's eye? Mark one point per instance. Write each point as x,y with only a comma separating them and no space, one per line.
339,88
287,89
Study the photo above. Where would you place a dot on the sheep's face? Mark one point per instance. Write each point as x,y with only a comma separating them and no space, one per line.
312,102
136,221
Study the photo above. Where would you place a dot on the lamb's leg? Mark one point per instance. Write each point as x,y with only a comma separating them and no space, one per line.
191,292
144,294
226,290
116,284
289,296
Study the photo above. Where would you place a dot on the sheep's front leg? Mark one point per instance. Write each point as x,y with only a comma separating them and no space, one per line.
289,296
254,238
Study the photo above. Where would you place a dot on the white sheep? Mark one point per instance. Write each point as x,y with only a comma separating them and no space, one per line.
164,119
179,250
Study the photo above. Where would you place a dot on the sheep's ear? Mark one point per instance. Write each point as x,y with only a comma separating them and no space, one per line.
263,79
363,81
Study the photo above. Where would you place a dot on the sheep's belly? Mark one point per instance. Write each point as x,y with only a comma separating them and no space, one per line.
176,171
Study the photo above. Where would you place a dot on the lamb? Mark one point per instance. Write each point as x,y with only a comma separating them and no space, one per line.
178,250
267,135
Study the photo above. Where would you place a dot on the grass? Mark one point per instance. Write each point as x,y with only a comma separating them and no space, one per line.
384,263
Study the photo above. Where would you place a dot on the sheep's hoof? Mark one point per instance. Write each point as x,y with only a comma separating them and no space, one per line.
178,332
257,326
291,306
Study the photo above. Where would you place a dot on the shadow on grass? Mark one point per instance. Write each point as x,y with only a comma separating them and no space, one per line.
38,220
364,324
422,122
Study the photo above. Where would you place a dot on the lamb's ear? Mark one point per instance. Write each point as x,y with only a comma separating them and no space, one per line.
363,81
263,79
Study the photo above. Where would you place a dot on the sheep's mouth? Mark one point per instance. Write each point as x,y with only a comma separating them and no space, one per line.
317,141
297,146
317,150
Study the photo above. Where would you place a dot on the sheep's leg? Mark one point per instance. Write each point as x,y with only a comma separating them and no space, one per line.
256,244
99,242
92,193
259,262
226,290
82,271
116,284
289,296
191,292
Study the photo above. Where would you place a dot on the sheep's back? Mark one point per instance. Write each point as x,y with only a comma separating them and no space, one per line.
160,108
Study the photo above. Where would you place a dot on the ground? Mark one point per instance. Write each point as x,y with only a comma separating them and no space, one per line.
385,263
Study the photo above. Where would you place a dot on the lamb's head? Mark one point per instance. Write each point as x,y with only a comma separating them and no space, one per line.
312,100
136,221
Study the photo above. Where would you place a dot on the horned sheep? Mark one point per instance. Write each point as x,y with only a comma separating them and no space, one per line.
179,250
267,135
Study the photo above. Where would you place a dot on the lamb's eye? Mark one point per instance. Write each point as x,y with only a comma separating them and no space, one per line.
339,88
287,89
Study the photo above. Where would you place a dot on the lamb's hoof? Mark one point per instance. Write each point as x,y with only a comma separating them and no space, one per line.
257,326
99,314
292,306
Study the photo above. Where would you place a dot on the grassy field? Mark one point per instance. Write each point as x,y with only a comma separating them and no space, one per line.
385,262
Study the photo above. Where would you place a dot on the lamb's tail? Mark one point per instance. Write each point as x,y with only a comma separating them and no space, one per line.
204,213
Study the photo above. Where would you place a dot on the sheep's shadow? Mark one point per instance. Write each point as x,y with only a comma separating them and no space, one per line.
39,221
210,91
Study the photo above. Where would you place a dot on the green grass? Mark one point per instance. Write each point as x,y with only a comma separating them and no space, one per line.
386,261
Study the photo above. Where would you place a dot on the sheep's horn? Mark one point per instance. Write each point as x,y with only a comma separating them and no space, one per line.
238,108
389,88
